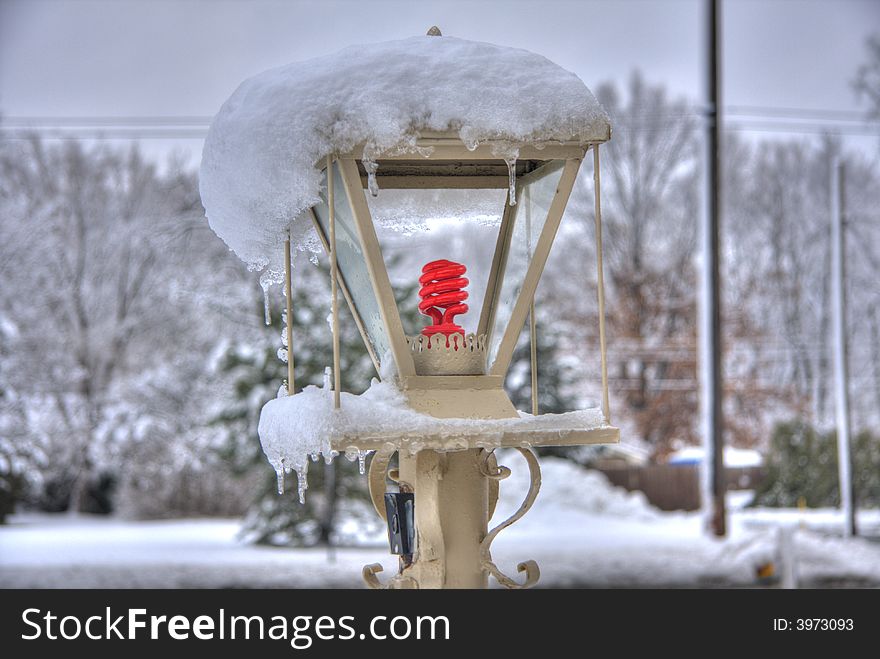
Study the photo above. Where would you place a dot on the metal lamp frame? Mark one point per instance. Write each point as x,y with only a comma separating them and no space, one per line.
450,164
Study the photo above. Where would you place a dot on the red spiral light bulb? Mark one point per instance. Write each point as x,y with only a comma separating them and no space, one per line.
442,296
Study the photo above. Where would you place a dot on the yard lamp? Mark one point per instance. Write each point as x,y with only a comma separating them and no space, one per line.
439,405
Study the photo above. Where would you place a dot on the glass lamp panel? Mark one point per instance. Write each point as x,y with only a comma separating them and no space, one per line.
535,194
419,225
352,264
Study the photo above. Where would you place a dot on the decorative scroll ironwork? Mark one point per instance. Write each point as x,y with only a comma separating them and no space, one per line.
487,464
397,582
378,472
497,472
488,467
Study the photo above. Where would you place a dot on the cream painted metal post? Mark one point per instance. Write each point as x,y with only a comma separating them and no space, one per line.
451,517
334,274
600,287
288,291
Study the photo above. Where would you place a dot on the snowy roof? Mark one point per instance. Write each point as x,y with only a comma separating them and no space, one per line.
733,456
263,154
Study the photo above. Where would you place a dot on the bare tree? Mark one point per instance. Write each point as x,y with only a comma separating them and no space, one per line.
867,80
650,207
778,236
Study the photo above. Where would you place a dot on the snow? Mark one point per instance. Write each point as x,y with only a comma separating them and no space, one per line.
568,486
733,457
294,428
581,530
261,164
189,553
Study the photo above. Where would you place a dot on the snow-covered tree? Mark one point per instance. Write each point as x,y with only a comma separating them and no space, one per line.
107,278
778,282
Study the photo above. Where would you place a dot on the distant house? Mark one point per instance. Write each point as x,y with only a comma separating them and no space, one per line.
675,484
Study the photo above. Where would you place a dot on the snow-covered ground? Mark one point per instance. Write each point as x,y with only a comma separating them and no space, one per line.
582,532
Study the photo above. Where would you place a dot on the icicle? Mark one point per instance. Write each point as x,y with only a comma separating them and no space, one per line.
371,166
469,138
511,178
362,462
267,278
267,313
279,472
301,486
302,481
368,160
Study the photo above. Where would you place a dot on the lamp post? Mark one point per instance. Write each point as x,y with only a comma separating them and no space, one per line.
441,406
453,374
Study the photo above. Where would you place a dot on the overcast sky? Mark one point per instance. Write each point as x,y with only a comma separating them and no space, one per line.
136,58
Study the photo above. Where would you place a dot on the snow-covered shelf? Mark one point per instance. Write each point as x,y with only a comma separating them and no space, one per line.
294,428
569,429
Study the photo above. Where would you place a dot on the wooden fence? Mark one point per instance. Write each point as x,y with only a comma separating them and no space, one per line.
676,487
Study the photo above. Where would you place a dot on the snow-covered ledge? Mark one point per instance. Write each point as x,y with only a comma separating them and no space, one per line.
292,428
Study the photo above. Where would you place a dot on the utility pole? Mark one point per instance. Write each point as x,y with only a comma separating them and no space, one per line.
841,374
713,476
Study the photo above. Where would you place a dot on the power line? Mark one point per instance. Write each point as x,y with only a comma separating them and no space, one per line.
746,118
767,124
811,129
108,120
111,134
791,112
